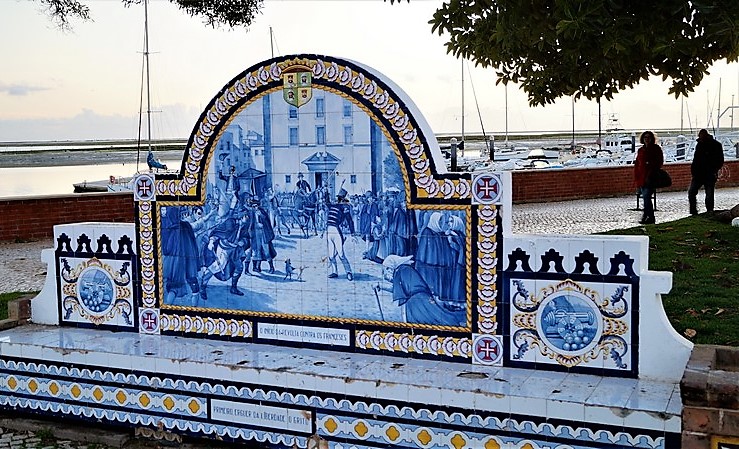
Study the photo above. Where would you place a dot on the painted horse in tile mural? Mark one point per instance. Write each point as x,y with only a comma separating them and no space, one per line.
306,206
299,209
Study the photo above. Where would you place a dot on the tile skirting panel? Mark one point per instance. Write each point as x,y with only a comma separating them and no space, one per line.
240,392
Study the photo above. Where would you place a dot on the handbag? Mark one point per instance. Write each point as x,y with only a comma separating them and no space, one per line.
660,179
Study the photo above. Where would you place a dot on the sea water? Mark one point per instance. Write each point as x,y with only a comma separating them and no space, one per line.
59,180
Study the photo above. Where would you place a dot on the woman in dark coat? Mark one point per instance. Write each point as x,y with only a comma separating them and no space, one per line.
649,158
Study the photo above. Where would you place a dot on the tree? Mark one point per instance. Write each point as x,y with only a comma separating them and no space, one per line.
591,48
232,13
392,176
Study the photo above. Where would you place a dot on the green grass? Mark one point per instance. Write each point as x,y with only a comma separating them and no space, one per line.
703,255
7,297
46,434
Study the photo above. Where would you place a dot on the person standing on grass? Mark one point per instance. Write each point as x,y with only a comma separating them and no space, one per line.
707,161
649,158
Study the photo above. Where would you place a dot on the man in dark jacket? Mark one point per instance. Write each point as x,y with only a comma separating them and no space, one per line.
707,161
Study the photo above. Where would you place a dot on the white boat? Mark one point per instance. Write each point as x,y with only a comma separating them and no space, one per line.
124,183
112,184
515,152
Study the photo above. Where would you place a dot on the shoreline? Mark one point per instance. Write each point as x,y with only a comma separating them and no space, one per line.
59,158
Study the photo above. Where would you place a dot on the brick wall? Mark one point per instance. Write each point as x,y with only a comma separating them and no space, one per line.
710,395
34,218
535,186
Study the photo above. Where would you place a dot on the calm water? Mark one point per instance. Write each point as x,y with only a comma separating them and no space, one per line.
36,181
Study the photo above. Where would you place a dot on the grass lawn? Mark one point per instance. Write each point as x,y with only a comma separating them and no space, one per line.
5,298
703,256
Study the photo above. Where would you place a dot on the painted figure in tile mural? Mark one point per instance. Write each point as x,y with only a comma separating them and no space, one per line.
306,206
261,235
339,214
377,251
269,203
456,238
199,221
225,253
435,258
180,268
302,184
413,294
367,213
402,228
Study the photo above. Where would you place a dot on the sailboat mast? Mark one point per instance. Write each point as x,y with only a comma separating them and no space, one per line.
271,43
718,110
572,146
506,114
146,59
462,99
479,114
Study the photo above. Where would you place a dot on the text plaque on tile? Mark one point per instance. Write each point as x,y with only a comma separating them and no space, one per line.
262,415
287,332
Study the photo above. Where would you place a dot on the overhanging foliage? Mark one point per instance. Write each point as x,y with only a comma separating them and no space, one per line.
552,48
591,48
233,13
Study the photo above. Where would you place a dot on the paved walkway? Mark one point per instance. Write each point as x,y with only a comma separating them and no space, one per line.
28,433
21,268
604,214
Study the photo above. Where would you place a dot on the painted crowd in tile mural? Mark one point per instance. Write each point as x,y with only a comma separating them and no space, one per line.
305,214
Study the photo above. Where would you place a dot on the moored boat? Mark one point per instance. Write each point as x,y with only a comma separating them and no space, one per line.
112,184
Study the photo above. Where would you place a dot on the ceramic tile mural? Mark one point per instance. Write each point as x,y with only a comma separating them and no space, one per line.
312,276
96,270
298,216
566,324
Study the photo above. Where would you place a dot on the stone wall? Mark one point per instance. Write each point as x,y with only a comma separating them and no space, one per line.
710,394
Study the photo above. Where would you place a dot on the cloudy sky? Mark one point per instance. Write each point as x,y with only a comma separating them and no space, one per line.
86,84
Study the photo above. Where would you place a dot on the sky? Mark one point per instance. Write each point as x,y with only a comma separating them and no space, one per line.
86,84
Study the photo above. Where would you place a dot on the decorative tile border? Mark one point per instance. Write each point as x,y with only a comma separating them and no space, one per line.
147,251
413,343
195,405
488,231
198,325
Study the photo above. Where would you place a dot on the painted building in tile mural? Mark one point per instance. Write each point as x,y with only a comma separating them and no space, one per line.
309,198
312,276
